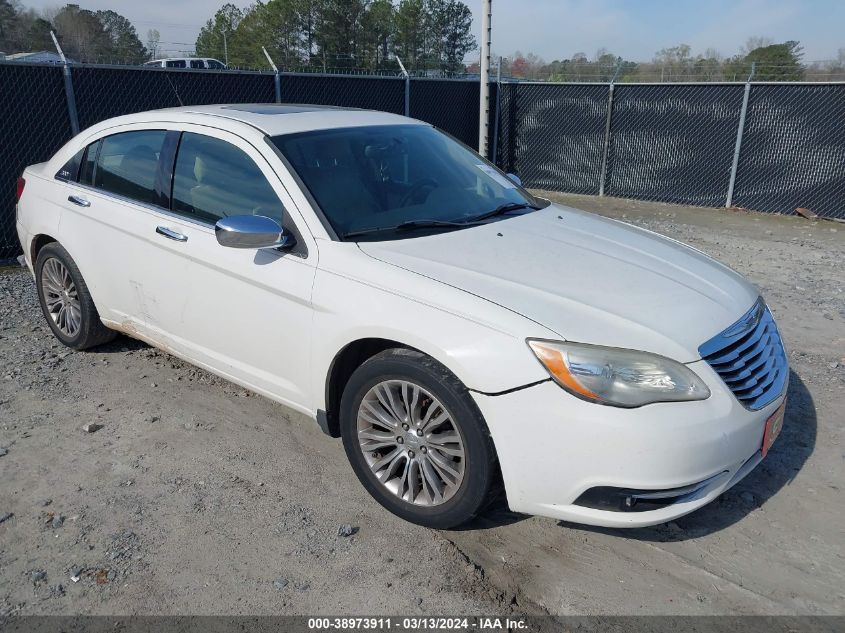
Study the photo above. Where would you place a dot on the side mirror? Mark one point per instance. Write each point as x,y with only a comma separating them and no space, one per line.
515,179
251,231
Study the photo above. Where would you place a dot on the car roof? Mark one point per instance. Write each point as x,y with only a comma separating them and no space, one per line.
276,118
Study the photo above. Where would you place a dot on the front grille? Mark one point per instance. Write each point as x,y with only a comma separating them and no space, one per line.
750,358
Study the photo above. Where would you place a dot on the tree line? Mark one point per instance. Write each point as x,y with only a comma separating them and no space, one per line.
84,35
770,61
342,34
428,35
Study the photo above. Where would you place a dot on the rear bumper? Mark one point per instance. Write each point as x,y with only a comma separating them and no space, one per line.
553,447
25,239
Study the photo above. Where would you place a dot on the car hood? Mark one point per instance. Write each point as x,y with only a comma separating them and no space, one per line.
587,278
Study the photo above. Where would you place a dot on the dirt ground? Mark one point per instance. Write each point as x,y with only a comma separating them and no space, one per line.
197,497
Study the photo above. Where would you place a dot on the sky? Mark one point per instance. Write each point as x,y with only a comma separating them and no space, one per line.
557,29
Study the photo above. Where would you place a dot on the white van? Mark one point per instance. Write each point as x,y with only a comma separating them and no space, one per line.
187,62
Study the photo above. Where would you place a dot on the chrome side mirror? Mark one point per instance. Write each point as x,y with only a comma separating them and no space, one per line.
515,179
251,231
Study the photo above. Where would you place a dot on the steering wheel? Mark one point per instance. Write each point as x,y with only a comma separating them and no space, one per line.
415,189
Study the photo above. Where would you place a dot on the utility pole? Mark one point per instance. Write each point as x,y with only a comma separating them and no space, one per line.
225,47
484,106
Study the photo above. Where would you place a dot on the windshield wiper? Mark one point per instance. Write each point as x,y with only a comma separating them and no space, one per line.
410,225
501,210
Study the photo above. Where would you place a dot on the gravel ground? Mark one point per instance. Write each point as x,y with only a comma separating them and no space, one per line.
197,497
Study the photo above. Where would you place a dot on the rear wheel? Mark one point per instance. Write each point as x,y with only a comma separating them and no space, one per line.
417,441
66,301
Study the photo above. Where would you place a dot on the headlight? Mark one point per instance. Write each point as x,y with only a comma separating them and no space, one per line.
618,377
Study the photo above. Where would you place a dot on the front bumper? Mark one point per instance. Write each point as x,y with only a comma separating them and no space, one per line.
553,447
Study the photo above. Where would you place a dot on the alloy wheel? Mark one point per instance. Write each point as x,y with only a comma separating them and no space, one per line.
411,442
60,297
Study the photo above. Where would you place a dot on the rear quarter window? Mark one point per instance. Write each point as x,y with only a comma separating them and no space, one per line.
70,170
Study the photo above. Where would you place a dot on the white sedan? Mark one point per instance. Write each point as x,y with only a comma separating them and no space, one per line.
459,334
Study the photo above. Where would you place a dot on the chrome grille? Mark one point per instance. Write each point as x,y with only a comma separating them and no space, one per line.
750,358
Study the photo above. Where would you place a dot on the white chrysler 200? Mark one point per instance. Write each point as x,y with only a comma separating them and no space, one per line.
458,333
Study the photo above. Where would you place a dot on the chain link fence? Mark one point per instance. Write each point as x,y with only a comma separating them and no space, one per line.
667,142
762,146
34,123
40,108
102,92
673,143
372,93
793,150
437,101
553,135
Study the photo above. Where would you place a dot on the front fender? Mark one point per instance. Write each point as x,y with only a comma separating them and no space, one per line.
356,297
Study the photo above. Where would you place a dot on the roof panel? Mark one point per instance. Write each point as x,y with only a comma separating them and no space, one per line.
274,119
279,108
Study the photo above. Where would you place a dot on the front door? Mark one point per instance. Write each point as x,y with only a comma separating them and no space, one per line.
244,313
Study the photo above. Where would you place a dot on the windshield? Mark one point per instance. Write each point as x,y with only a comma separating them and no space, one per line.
377,182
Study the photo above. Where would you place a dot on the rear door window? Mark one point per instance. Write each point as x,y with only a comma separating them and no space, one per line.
176,63
214,179
127,165
197,63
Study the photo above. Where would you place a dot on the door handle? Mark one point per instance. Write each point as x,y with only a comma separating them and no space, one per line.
171,234
82,202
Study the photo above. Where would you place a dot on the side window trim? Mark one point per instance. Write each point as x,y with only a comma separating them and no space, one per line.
304,189
300,248
213,138
99,144
166,165
157,192
173,178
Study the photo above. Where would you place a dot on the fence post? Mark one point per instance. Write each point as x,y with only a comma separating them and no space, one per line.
69,96
607,128
740,128
277,80
495,154
407,87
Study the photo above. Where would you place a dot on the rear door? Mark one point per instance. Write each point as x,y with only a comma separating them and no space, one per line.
109,209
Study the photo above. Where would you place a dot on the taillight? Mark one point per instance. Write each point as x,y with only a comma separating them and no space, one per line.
19,189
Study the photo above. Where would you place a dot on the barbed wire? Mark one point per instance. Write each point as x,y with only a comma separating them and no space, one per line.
563,72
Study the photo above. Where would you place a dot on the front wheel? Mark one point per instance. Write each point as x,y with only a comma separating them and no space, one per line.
417,441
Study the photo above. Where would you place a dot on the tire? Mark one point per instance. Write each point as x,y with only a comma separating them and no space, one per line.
461,443
60,283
